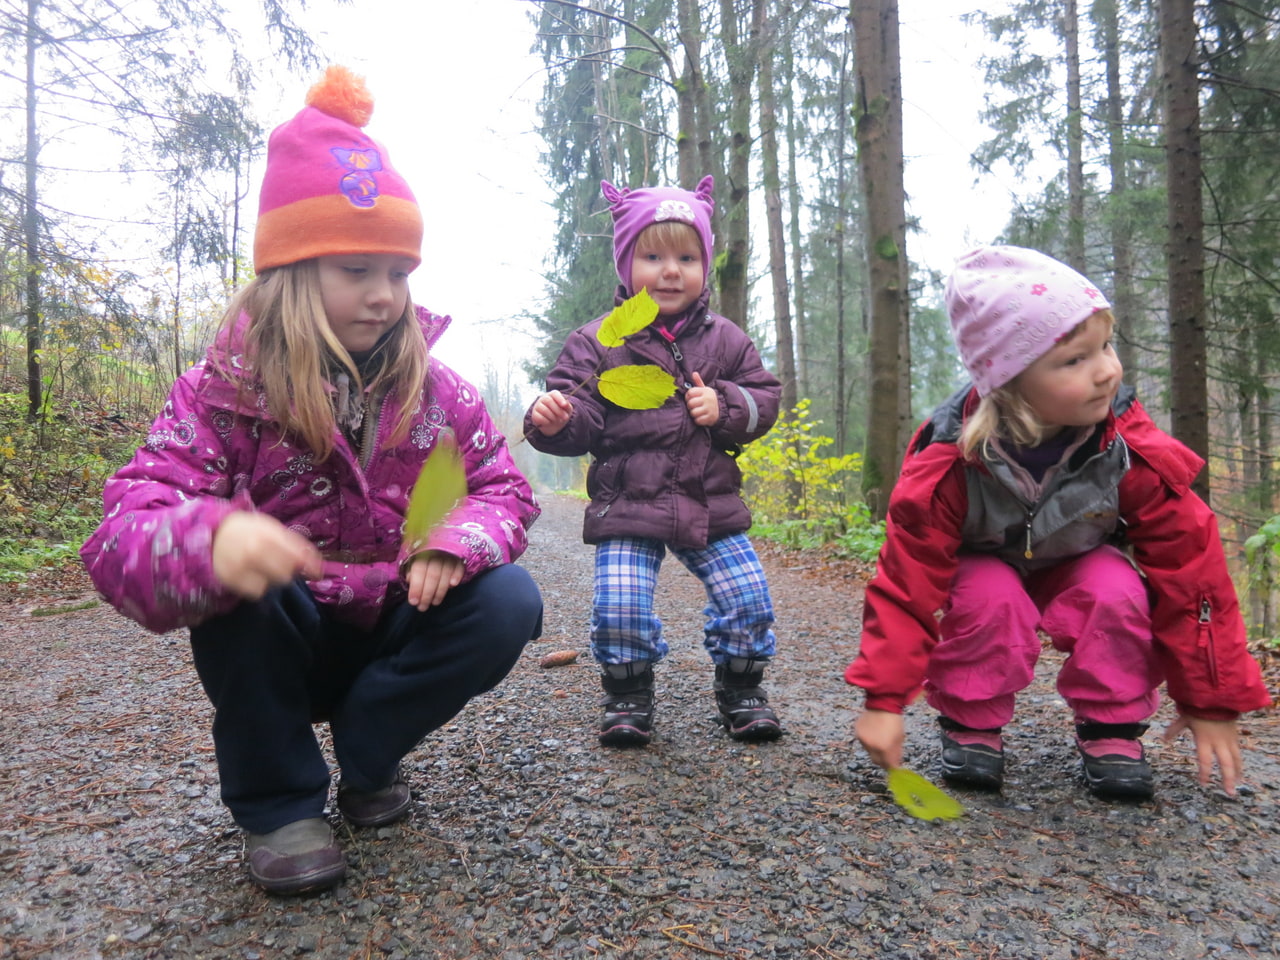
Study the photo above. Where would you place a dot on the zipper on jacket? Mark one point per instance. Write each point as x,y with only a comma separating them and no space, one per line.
679,358
1205,639
1026,552
370,431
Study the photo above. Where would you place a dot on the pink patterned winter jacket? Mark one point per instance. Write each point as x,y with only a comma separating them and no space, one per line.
207,455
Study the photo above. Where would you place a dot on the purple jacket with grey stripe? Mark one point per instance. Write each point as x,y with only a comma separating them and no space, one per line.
211,452
655,472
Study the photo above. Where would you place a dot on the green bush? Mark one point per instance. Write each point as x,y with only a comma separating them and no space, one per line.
51,475
1262,551
802,498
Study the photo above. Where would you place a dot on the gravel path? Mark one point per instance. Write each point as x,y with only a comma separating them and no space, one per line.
527,839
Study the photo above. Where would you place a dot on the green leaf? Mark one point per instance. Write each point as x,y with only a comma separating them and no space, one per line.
441,483
630,316
920,798
637,386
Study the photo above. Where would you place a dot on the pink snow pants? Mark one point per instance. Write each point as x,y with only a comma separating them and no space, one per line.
1094,607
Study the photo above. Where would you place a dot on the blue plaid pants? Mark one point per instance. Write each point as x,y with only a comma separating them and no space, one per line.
739,611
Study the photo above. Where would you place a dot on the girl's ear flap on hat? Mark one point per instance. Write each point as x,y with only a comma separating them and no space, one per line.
705,186
612,193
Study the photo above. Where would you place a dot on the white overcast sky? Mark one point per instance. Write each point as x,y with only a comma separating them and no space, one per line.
455,88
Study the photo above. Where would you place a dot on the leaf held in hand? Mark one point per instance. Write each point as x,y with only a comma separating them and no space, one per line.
630,316
441,483
920,798
637,386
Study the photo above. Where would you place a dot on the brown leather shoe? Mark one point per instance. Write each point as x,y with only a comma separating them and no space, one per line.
298,857
377,808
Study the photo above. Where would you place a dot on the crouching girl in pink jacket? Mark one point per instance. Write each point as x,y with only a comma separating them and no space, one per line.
265,511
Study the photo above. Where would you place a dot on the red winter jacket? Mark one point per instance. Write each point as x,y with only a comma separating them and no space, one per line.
1173,536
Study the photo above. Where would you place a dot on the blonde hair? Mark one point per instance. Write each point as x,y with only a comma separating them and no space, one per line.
1003,414
668,233
289,349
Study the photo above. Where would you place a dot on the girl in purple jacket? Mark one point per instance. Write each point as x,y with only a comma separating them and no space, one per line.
665,479
265,511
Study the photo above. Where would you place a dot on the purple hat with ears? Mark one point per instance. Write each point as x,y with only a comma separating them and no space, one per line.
633,210
1009,306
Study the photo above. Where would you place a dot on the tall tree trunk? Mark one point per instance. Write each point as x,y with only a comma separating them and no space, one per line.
686,102
31,229
731,269
1188,349
879,133
841,406
1107,16
797,241
708,158
1075,139
773,204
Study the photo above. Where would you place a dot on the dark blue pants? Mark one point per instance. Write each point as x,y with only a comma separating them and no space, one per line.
275,666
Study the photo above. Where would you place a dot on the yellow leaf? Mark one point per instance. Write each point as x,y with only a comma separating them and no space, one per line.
920,798
441,483
636,386
630,316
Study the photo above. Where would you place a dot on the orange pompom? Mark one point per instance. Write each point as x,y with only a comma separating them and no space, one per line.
342,94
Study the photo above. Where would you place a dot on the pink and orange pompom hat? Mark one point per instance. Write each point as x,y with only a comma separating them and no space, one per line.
329,188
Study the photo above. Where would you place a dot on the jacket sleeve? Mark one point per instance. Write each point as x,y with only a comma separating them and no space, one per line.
912,579
490,526
152,556
749,397
573,375
1199,632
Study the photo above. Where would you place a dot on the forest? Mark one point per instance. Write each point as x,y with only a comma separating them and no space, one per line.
1144,132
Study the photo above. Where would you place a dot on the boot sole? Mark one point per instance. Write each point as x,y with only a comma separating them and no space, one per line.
625,736
757,731
1121,789
961,777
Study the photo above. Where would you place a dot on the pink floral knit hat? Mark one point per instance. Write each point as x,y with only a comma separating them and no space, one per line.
633,210
1009,306
329,187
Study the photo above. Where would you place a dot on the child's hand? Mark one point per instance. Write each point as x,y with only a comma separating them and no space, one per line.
1217,741
702,402
431,576
550,413
881,733
253,552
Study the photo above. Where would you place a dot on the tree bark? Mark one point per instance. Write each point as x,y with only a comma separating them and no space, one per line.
1189,399
786,368
31,228
1075,139
1124,301
879,135
731,265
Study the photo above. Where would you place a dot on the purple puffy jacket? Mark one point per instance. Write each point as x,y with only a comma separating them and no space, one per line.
206,456
656,473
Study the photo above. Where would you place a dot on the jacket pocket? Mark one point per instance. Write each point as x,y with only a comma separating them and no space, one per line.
604,481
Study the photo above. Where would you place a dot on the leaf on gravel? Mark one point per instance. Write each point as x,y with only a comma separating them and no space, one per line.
560,658
920,798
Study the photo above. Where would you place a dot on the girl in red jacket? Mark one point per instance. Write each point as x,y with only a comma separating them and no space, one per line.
1044,499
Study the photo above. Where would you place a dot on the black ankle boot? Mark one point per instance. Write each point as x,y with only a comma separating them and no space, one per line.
628,704
744,707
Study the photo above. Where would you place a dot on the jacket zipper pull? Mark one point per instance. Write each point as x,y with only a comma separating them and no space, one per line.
1204,611
1027,552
